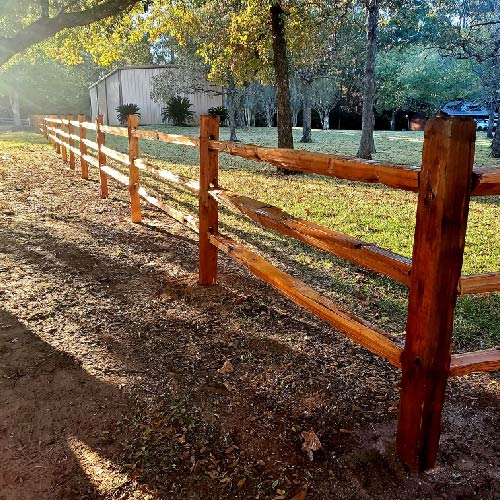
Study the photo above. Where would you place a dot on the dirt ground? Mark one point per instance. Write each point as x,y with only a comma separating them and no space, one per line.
111,379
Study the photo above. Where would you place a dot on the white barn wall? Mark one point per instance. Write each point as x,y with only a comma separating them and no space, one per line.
93,102
112,85
133,85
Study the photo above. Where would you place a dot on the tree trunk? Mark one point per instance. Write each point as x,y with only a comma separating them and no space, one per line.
306,114
14,104
282,78
231,110
325,120
495,145
367,144
393,120
491,119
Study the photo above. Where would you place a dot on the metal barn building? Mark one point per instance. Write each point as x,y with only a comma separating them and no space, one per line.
132,84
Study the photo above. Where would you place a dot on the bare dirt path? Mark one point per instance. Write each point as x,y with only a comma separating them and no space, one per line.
110,381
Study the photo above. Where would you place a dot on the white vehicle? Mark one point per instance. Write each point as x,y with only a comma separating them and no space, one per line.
482,124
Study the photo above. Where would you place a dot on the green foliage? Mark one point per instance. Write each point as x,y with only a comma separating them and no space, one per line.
124,110
178,111
221,112
46,86
421,79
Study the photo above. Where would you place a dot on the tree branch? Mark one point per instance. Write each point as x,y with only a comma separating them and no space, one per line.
45,27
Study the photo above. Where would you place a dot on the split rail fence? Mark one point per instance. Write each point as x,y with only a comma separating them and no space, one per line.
445,183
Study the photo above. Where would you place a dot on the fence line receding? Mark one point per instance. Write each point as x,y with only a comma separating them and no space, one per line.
445,183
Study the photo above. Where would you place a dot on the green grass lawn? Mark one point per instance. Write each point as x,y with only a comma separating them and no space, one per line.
373,213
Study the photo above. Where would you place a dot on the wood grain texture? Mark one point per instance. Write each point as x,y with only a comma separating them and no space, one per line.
57,130
351,249
71,143
301,294
63,134
83,148
101,157
134,176
208,209
442,210
156,135
479,361
479,283
486,181
404,177
121,131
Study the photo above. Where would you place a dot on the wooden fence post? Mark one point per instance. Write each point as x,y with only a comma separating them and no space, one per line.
443,205
71,142
101,139
57,126
209,174
134,178
83,148
64,150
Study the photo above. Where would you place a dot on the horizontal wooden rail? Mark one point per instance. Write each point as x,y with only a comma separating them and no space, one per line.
90,144
479,283
343,167
74,150
301,294
88,125
187,219
117,176
92,160
106,129
479,361
56,139
75,123
116,155
183,140
356,251
53,120
486,181
75,137
178,179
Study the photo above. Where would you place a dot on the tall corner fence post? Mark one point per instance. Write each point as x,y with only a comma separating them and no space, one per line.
83,148
57,126
101,140
64,139
134,176
71,142
442,210
208,207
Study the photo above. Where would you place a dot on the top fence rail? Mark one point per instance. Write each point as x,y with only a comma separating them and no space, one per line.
485,180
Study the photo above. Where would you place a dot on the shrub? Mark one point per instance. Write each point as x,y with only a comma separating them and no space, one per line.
221,112
178,111
124,110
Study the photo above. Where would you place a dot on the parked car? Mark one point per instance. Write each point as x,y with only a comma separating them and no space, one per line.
482,124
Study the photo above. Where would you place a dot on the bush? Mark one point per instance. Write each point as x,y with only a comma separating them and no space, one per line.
221,112
178,111
124,110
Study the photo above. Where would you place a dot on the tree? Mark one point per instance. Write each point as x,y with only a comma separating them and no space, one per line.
420,79
324,98
46,86
367,143
27,22
282,76
470,29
